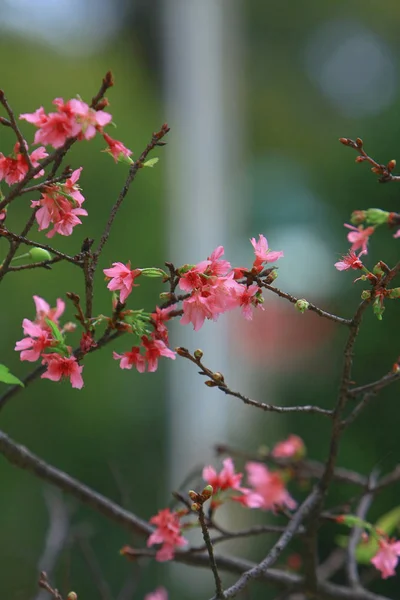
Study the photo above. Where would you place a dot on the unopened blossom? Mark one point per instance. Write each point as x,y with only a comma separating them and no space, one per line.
154,349
349,261
37,340
59,367
158,594
359,237
14,168
116,148
168,533
270,486
263,253
293,446
122,278
131,358
387,557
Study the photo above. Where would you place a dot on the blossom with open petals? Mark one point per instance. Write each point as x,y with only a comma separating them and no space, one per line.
153,350
14,168
359,237
37,340
226,479
387,557
270,486
263,253
131,358
349,261
168,533
293,446
122,278
158,594
59,367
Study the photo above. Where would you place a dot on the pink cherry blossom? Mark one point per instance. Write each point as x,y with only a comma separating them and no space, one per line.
122,278
33,346
116,148
263,253
59,367
130,359
158,594
270,486
226,479
349,261
159,318
293,446
56,209
359,237
168,533
43,311
196,309
89,119
250,296
71,187
14,168
387,557
153,350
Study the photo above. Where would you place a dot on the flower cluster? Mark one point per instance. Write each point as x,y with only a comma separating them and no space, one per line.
60,205
44,339
267,491
73,118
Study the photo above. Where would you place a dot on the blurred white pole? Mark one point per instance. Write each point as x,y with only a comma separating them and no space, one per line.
200,53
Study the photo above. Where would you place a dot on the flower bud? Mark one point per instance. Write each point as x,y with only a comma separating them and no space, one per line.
359,142
198,354
358,217
302,305
207,492
165,296
196,507
153,272
376,216
210,383
391,165
394,293
39,254
365,295
193,495
72,596
344,141
273,275
218,377
69,327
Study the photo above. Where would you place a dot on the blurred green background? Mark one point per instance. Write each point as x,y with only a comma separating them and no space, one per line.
307,73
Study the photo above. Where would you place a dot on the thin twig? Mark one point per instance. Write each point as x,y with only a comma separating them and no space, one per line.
207,540
217,380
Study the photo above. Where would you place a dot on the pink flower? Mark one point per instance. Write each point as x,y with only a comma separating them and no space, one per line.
349,261
158,594
159,318
387,557
263,253
60,205
168,533
116,148
34,345
131,358
72,119
14,168
122,278
196,309
226,479
60,366
89,119
359,237
43,311
397,234
292,447
153,350
250,296
270,486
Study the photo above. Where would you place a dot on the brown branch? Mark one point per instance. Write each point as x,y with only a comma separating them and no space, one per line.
22,458
217,380
13,124
311,307
385,171
207,540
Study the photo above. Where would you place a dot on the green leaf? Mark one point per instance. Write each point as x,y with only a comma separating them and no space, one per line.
55,331
7,377
151,162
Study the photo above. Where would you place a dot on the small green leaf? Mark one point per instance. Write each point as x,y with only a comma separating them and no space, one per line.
55,331
7,377
151,162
